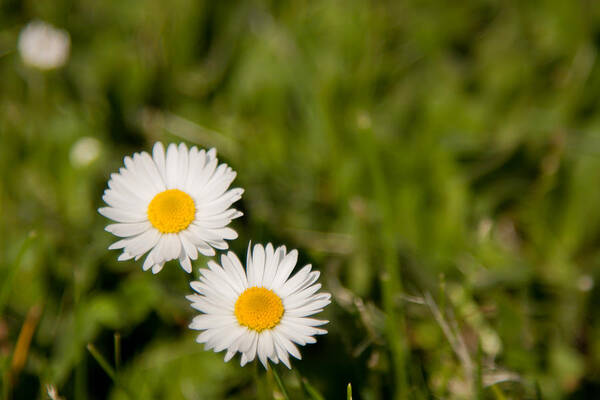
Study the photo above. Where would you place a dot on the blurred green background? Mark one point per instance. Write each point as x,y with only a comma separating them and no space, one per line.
439,162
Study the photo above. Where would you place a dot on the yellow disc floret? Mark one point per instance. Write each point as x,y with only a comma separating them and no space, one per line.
258,308
171,211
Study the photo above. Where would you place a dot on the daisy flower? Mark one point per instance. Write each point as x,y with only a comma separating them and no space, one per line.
261,311
171,205
43,46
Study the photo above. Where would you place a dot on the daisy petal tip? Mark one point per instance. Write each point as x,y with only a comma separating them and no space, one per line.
186,265
116,245
207,251
156,268
191,297
124,257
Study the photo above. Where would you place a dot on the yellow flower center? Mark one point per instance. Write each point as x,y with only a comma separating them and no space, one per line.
171,211
258,308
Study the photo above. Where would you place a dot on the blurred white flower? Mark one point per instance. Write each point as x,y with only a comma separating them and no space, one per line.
172,205
43,46
585,283
85,151
53,393
262,311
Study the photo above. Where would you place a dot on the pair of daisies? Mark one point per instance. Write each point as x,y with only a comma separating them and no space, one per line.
176,204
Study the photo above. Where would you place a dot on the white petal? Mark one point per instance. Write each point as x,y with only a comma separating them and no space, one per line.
249,341
171,167
124,256
195,164
285,269
202,177
155,256
212,291
224,282
234,278
258,261
287,344
239,269
158,156
294,282
250,354
182,166
318,300
264,345
271,265
125,230
232,336
201,303
142,243
229,355
120,215
172,246
147,172
185,264
156,268
303,294
153,172
219,205
206,321
280,349
190,249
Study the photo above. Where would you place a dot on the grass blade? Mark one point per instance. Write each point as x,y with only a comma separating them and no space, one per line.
102,361
309,390
538,391
12,271
498,393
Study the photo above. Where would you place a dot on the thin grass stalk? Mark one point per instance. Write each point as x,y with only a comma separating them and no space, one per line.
81,380
110,371
498,393
102,362
453,336
309,390
117,338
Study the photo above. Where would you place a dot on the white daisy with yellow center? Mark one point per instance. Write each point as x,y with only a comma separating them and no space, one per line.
171,205
261,311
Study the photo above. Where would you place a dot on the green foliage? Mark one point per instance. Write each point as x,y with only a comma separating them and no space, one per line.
436,161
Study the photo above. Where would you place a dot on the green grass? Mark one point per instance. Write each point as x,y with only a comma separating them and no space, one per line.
438,162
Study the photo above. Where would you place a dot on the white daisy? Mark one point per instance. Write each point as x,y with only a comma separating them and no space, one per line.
173,206
43,46
260,311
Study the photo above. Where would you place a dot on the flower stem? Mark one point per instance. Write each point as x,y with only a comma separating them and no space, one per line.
280,383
